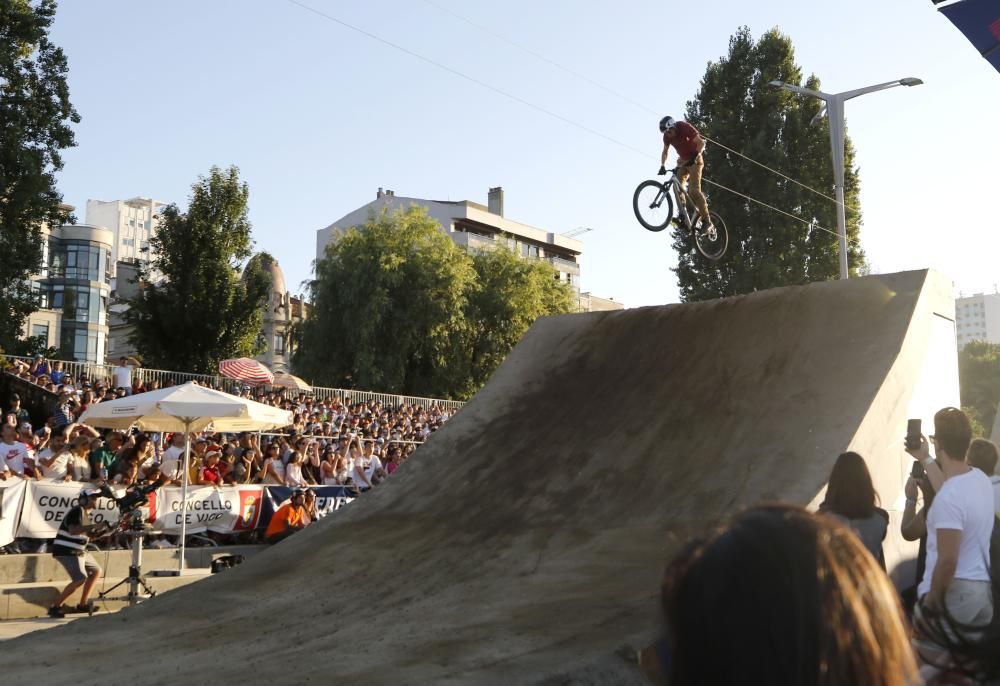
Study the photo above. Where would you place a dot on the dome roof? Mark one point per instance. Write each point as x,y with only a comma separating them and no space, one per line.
270,266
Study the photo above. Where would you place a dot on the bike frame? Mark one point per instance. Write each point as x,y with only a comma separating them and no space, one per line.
681,195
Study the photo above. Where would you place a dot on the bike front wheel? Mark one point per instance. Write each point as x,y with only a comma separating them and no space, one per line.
712,244
652,205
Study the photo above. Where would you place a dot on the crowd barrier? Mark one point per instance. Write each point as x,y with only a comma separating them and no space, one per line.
105,372
34,509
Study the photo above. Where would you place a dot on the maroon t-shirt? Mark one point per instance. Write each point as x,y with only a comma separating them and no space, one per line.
685,142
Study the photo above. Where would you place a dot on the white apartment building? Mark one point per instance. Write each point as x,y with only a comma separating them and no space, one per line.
475,226
977,318
133,223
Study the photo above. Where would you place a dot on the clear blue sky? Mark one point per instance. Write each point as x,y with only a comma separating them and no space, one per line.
317,116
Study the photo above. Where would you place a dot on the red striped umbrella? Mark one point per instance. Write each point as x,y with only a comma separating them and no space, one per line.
246,370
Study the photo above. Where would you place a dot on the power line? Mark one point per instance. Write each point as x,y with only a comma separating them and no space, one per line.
625,98
465,76
532,105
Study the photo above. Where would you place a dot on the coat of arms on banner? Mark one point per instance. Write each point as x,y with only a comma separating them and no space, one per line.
249,510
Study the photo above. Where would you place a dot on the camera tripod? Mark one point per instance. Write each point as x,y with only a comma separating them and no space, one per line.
136,532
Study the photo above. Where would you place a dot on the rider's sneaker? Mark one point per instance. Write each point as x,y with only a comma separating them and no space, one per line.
56,612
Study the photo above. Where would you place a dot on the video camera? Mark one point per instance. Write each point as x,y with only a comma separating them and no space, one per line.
134,498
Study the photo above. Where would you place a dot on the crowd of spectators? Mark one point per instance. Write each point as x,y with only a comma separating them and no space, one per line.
331,442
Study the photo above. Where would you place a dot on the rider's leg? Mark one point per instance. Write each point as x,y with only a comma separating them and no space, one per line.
694,190
681,178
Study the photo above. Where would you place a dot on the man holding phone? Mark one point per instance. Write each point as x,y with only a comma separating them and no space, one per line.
959,525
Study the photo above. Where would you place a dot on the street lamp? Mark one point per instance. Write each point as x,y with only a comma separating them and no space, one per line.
834,108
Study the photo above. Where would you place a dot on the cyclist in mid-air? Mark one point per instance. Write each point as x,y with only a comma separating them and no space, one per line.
689,146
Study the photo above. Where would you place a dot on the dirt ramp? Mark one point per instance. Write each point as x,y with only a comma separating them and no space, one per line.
525,542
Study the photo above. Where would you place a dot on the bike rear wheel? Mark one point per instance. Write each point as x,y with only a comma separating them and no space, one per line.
652,205
712,244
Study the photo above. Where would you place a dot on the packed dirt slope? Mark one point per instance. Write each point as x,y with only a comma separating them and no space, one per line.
525,542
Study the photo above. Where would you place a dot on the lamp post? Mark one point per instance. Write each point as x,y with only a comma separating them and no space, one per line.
835,111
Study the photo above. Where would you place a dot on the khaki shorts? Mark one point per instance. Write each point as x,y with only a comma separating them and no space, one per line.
969,604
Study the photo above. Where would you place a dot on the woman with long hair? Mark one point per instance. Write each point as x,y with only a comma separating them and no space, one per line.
851,498
780,597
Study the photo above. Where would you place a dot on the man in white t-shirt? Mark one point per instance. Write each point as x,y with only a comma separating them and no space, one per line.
173,459
54,460
122,374
12,452
959,525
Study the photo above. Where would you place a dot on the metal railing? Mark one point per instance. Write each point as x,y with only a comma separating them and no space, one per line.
95,372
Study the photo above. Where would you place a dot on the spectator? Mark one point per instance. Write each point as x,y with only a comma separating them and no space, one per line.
210,473
122,374
54,460
959,525
78,468
19,412
311,512
101,459
246,467
830,613
293,471
127,473
288,519
328,467
40,367
173,459
64,415
57,373
983,456
311,464
362,473
851,498
914,527
274,469
33,444
13,452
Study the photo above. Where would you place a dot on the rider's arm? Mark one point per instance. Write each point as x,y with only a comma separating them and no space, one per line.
666,152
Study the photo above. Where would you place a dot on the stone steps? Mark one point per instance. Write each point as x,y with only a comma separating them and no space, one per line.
29,584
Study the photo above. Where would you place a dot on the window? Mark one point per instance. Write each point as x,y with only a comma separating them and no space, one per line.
41,331
57,297
279,344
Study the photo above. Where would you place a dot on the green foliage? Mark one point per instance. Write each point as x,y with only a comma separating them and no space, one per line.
397,306
35,117
979,379
193,309
736,106
509,295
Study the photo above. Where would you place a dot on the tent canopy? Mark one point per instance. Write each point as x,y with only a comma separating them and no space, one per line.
188,407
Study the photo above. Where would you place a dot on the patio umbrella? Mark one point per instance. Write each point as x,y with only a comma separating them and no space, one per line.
291,381
246,370
979,20
188,408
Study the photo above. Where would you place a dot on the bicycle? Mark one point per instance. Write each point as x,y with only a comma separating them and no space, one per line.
654,208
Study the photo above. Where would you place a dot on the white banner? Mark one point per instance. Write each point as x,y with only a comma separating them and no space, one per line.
47,502
224,510
11,493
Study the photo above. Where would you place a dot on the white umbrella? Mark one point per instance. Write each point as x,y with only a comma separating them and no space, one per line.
188,408
287,380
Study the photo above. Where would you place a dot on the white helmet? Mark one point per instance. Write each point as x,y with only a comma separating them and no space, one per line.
88,494
667,123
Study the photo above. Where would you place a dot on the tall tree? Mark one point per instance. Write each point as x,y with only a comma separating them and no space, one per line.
35,118
736,106
193,308
979,379
398,307
508,296
387,305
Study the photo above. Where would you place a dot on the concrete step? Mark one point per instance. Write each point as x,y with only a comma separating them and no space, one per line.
25,600
42,568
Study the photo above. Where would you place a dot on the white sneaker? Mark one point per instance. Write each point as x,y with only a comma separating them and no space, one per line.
43,548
